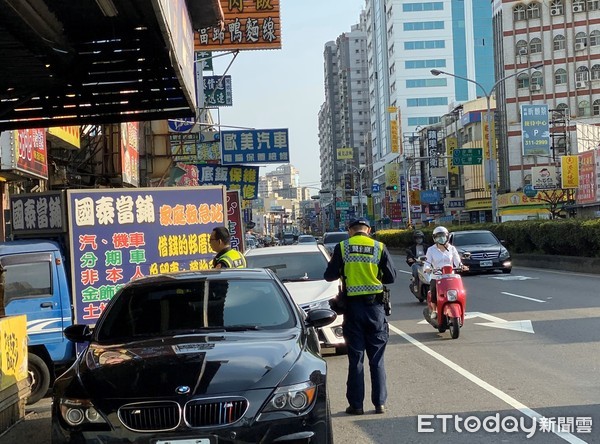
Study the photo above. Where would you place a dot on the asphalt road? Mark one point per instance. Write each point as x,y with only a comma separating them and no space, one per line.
529,349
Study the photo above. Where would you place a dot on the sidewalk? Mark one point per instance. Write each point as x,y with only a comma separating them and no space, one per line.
35,428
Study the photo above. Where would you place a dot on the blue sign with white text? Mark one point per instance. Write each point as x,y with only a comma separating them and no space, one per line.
255,146
430,196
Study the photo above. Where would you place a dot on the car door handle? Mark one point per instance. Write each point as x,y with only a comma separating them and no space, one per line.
46,305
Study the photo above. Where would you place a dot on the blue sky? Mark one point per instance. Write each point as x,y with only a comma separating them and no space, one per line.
284,88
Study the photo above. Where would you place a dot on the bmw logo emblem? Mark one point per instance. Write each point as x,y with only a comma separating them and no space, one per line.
182,390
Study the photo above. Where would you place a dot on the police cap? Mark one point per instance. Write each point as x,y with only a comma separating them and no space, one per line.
359,221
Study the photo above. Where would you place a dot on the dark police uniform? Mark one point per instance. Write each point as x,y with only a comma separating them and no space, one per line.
365,266
230,258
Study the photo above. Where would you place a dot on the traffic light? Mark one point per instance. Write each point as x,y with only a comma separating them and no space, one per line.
392,187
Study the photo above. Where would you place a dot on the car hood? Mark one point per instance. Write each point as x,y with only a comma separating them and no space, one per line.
306,292
206,364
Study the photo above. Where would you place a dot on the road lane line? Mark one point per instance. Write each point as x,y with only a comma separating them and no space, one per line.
522,297
486,386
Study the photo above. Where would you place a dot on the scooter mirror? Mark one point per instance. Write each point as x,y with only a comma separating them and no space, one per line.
422,258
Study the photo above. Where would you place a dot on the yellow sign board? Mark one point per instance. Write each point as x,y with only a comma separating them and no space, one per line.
344,153
69,134
13,350
569,171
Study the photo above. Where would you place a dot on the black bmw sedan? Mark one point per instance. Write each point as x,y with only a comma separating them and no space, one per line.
217,356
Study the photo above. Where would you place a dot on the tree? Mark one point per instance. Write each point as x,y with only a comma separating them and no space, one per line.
558,201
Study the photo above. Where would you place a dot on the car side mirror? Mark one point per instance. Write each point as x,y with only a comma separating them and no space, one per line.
78,333
320,317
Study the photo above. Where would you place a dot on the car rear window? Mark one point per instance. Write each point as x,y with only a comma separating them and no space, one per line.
474,239
334,238
292,266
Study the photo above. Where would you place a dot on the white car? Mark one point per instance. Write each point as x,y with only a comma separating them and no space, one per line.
301,268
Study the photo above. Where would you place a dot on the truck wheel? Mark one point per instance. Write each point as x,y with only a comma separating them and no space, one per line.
39,377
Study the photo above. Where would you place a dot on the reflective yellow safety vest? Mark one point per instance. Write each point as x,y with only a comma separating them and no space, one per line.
361,256
233,259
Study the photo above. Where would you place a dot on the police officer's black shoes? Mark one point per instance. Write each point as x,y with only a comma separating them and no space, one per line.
380,409
353,411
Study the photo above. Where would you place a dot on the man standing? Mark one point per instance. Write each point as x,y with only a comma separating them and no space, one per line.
226,256
364,265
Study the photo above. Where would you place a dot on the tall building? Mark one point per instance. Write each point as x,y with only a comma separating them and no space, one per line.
405,41
344,122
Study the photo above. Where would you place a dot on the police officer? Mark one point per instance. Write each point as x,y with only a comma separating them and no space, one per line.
226,256
364,265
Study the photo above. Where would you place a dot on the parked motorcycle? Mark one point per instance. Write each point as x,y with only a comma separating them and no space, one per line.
451,301
420,288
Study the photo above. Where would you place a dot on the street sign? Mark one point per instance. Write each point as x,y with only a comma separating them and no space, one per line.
467,156
342,205
375,188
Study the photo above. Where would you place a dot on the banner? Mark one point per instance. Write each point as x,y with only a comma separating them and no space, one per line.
569,172
586,192
544,178
255,146
243,178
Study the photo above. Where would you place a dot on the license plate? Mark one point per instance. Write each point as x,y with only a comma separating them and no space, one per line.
210,440
486,263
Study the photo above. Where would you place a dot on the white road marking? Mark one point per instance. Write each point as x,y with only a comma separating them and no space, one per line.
512,277
486,386
524,326
522,297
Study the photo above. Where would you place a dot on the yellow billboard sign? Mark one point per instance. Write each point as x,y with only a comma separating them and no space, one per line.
13,350
344,153
69,134
569,172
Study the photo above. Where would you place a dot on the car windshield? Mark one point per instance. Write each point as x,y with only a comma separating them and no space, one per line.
459,240
296,266
334,238
306,240
189,306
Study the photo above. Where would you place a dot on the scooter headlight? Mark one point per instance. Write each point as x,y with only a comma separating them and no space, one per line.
452,295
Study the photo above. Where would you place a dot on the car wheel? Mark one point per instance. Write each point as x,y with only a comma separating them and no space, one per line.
341,350
39,377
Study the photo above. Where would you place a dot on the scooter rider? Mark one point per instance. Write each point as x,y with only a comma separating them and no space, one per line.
417,250
439,254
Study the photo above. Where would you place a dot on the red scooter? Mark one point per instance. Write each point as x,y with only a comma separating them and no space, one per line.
451,301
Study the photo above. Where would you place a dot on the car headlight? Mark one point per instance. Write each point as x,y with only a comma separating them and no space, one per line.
295,399
76,412
452,295
504,254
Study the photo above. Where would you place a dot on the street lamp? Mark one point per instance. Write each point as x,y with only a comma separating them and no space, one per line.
360,172
488,94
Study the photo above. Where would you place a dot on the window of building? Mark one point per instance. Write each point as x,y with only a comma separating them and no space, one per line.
519,13
423,6
427,101
535,46
522,81
581,39
596,107
427,44
522,47
582,74
537,79
563,108
424,83
556,7
559,42
594,38
560,77
596,72
533,11
423,26
578,5
416,64
593,5
583,108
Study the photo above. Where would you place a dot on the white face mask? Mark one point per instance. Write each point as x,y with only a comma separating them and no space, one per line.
441,240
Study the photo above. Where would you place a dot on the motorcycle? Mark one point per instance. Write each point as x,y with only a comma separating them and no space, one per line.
451,301
420,288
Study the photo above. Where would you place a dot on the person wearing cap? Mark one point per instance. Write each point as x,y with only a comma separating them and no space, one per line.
226,257
364,265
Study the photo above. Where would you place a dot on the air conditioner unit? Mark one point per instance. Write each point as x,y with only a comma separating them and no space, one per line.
522,51
581,84
555,11
579,46
535,87
577,8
